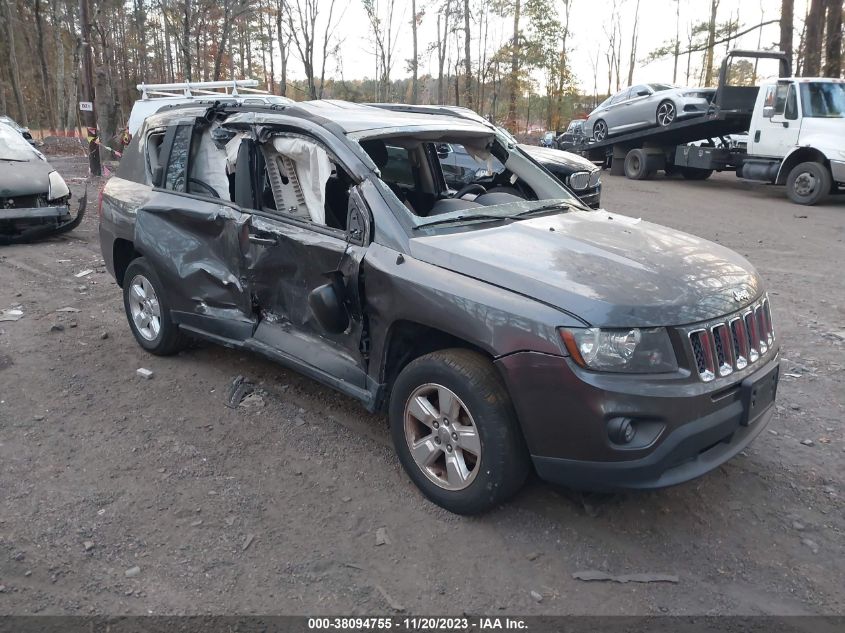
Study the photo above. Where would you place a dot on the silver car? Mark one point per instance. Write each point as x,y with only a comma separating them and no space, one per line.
645,105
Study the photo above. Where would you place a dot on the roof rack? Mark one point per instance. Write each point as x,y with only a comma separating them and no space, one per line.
191,89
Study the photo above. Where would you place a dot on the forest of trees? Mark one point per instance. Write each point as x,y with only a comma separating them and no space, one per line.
515,73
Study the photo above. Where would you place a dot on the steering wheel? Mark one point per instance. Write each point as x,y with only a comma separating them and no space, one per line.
473,186
204,185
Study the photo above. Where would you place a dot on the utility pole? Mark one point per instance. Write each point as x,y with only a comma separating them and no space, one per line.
89,113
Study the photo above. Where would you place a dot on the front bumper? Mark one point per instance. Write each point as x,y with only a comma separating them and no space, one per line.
837,169
21,225
685,428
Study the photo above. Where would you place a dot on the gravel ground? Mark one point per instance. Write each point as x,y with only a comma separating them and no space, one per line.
125,495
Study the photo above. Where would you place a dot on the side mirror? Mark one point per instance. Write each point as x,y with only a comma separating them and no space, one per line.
643,93
443,151
328,308
158,172
768,111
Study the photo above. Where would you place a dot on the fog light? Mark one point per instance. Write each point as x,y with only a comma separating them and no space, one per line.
620,430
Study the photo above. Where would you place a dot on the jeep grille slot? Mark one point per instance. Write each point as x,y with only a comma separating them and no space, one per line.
723,348
730,344
702,349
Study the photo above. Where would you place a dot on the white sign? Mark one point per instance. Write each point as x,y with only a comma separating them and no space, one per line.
86,106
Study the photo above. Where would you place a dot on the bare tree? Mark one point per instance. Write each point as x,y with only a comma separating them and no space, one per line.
514,78
467,61
13,63
384,39
677,40
443,14
711,43
813,41
787,8
833,39
415,62
284,45
634,36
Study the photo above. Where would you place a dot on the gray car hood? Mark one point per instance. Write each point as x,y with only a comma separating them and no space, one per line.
23,178
609,270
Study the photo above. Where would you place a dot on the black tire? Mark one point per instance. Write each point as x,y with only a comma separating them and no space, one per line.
503,463
168,339
600,131
637,165
808,183
692,173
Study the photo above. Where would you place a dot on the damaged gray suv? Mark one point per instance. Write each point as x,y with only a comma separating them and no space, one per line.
502,327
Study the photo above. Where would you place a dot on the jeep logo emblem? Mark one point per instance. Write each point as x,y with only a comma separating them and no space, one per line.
741,296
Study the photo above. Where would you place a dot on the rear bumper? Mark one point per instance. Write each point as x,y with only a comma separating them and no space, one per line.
684,428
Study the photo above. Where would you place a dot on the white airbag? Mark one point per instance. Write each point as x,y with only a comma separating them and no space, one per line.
313,169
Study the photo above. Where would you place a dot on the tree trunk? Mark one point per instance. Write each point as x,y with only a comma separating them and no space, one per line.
711,43
813,41
42,60
677,40
186,39
787,8
467,62
13,64
514,78
415,62
284,47
634,36
833,39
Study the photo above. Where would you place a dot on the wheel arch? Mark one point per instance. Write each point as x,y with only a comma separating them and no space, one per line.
123,254
797,156
407,340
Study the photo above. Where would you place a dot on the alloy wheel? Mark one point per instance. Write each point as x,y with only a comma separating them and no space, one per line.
665,113
442,436
600,130
144,307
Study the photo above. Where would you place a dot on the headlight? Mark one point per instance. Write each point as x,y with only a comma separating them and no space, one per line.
58,186
632,350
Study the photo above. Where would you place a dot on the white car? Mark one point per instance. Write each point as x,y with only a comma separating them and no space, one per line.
647,105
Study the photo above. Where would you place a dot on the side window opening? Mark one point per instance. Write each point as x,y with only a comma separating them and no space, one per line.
210,171
154,158
303,181
177,164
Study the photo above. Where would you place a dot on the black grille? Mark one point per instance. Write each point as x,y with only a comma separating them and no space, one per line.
698,352
23,202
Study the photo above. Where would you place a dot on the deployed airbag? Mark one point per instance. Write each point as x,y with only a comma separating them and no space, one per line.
312,169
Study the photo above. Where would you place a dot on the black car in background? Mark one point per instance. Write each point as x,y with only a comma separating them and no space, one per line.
575,134
576,172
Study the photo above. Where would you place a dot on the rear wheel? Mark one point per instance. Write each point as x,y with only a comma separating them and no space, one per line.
637,165
692,173
808,183
148,312
666,113
600,130
455,431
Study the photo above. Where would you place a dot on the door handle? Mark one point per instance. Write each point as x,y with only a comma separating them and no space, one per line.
263,241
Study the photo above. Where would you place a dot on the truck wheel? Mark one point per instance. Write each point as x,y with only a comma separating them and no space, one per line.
147,310
455,431
600,130
637,165
808,183
692,173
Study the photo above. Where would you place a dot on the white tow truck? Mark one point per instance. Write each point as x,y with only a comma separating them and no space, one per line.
796,136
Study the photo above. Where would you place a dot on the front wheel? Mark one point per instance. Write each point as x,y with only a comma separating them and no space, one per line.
808,183
600,130
147,310
455,431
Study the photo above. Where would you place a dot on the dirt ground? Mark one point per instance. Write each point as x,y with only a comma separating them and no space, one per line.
274,508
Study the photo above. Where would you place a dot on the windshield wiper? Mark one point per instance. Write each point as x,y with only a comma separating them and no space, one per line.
559,206
463,218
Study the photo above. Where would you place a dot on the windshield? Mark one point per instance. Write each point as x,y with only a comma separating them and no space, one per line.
823,99
461,177
13,146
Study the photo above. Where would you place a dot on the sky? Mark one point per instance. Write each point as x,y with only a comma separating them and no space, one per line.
587,41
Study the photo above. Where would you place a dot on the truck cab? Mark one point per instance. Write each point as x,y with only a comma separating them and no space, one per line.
796,137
